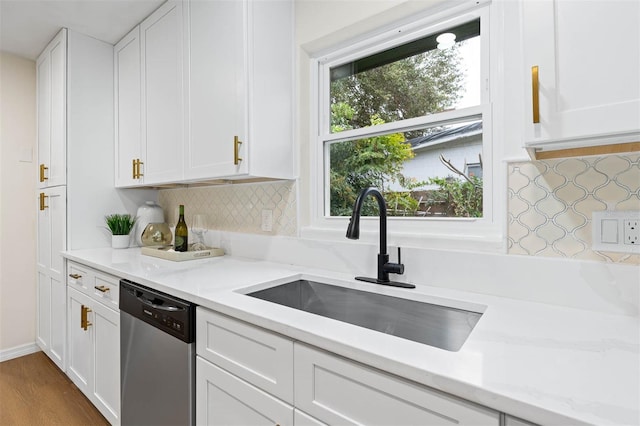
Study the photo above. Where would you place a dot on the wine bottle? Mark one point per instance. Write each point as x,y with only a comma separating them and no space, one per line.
182,233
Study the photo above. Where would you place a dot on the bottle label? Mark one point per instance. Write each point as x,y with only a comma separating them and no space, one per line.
180,243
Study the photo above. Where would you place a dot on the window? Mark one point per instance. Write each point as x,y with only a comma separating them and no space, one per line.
404,114
408,112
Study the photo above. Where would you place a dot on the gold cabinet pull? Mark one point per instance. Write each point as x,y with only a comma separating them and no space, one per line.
84,323
535,87
42,201
42,176
236,150
75,276
136,168
102,288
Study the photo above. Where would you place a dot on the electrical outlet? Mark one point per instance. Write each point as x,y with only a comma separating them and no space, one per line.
616,231
631,231
267,220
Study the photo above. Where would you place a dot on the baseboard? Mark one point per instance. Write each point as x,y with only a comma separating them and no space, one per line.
18,351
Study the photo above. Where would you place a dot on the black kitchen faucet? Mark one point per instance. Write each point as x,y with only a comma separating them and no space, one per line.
353,232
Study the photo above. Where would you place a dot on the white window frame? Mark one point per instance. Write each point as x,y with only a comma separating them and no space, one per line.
484,233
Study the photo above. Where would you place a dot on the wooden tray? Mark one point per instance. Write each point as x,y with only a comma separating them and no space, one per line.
167,252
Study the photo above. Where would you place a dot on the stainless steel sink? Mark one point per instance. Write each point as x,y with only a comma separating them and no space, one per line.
435,325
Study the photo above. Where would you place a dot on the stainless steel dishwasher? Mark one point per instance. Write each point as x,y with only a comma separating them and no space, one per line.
157,357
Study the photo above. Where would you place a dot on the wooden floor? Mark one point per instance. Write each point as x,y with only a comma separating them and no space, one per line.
33,391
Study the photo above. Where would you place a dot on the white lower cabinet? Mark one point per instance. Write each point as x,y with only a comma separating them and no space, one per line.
224,399
303,419
244,376
94,339
339,391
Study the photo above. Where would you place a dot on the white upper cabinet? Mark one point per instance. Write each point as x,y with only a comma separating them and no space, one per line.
162,108
217,105
126,59
240,89
51,101
587,56
215,84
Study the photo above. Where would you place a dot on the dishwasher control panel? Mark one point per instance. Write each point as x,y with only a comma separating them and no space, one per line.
165,312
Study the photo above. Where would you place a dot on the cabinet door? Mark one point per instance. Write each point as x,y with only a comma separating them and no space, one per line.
513,421
80,340
224,399
51,100
256,355
302,419
106,358
325,386
217,75
126,55
162,94
51,236
588,64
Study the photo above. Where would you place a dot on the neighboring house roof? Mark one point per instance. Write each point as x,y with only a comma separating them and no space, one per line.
445,136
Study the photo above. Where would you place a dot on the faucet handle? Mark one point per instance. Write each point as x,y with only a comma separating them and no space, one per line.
395,268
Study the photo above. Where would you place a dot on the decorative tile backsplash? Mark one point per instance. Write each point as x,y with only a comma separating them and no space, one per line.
550,204
236,207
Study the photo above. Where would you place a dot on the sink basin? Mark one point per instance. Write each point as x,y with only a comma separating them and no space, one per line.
435,325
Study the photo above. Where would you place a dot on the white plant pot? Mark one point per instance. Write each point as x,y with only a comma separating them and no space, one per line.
120,241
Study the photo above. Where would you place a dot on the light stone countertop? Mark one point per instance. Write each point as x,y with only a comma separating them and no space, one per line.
543,363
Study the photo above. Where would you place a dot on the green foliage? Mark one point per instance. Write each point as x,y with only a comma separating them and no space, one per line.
461,197
120,224
422,84
359,164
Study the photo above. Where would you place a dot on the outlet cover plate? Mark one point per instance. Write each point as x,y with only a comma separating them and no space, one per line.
610,230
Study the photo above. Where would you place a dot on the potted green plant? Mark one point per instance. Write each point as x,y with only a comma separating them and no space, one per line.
120,226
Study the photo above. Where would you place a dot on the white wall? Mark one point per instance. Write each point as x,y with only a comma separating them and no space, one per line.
18,172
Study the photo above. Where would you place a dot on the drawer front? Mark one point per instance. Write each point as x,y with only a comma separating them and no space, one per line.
326,384
223,399
258,356
106,289
79,277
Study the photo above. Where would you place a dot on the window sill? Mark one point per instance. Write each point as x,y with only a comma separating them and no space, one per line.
475,238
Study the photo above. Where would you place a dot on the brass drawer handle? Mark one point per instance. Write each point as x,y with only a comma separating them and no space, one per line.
84,323
535,91
42,176
42,201
102,288
236,150
75,276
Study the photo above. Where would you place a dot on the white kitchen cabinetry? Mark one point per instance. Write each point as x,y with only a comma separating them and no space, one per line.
51,103
513,421
303,419
149,100
240,88
224,399
326,384
162,134
231,344
126,59
244,374
74,216
51,291
94,338
586,54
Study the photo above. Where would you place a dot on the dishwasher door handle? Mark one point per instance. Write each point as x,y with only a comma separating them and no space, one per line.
159,307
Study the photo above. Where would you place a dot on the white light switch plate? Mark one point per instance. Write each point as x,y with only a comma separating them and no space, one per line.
267,220
616,231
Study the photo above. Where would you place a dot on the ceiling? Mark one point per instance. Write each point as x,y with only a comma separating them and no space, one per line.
26,26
